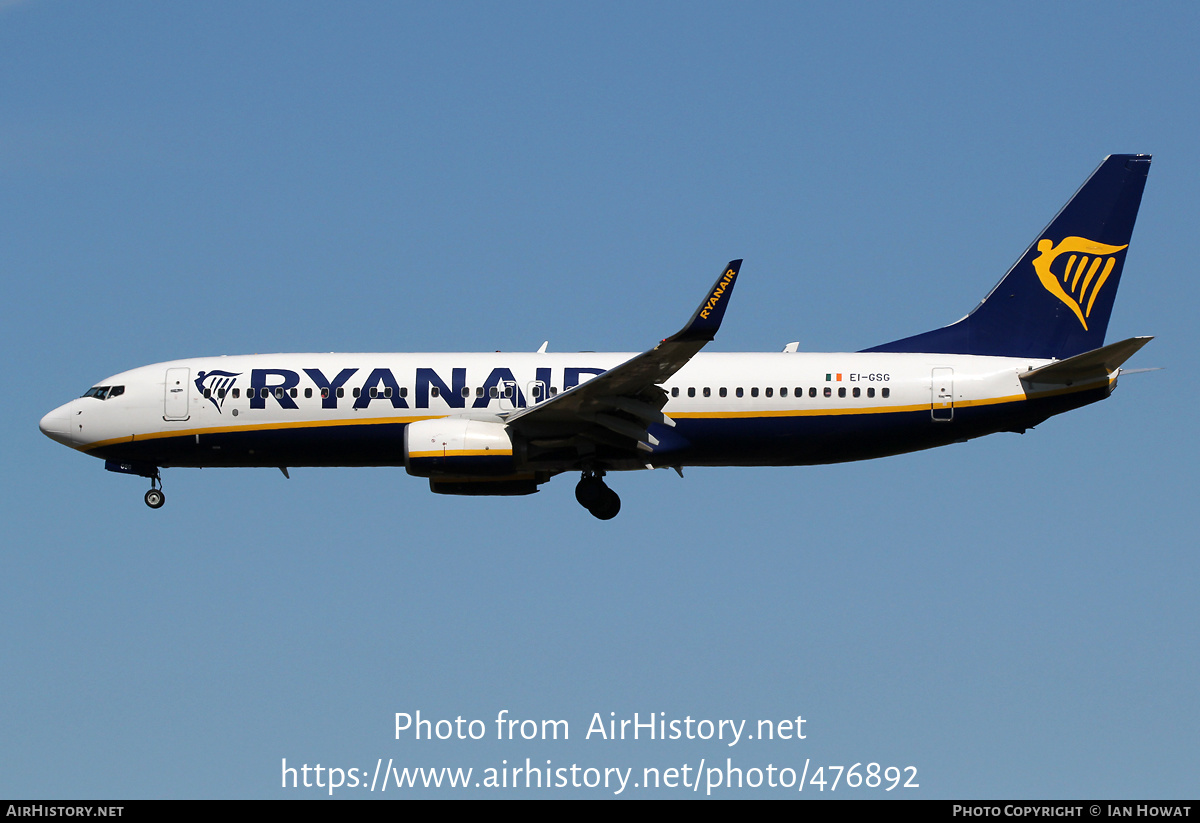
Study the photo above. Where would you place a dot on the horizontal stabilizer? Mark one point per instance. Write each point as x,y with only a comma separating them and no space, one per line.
1096,364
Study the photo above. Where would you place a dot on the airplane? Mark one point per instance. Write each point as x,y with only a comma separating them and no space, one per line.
506,423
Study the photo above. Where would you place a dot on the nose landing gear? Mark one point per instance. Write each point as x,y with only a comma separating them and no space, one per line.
596,497
155,498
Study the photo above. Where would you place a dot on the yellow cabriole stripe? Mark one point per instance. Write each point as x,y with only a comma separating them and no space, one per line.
300,424
462,453
847,411
796,412
989,401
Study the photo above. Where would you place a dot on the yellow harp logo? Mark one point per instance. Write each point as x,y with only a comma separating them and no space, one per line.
1088,265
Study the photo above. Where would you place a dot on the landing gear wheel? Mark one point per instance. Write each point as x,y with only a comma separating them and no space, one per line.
596,497
590,490
608,507
155,498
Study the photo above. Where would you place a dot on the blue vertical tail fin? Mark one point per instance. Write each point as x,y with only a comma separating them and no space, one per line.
1056,300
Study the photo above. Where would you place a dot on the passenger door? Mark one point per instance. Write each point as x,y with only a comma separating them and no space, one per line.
175,398
942,395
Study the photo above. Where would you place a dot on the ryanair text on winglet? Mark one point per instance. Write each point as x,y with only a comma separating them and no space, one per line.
716,295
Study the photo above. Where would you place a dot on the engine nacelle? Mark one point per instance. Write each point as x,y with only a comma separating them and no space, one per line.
458,447
489,487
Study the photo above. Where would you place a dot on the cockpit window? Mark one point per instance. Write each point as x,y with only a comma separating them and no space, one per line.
104,392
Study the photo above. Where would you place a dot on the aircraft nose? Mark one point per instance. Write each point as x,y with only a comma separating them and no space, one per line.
57,425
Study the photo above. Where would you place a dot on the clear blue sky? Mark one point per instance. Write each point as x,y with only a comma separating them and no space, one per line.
1016,617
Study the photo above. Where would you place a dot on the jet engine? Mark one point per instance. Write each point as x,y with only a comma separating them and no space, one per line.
464,456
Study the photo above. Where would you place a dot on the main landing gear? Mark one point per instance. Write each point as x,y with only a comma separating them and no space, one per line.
155,498
596,497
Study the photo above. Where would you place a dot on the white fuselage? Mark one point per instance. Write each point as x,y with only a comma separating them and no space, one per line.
730,409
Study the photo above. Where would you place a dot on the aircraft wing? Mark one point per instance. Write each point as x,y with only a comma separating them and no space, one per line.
616,408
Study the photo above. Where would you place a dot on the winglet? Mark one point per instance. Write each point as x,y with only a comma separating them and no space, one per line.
707,319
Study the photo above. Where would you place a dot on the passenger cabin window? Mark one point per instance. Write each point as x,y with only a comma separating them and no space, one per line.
307,394
723,391
770,391
237,393
783,392
465,392
828,392
870,392
675,391
739,391
754,392
434,392
691,392
842,391
886,392
812,392
707,391
857,391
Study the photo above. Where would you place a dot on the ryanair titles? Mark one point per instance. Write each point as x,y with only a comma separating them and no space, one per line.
359,388
718,292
